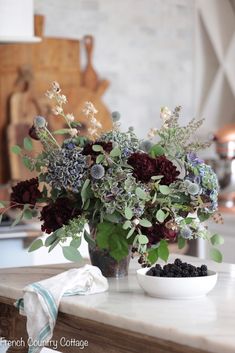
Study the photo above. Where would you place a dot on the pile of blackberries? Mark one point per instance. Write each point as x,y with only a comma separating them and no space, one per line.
177,269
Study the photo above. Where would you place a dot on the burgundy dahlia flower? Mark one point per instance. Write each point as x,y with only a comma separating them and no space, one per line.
158,232
57,214
88,151
25,192
144,167
167,169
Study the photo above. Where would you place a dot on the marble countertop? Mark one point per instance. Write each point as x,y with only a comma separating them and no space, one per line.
207,323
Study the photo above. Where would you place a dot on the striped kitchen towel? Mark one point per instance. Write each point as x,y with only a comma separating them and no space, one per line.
41,300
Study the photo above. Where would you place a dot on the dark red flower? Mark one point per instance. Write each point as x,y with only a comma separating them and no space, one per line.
57,214
167,169
25,192
88,151
33,133
144,167
158,232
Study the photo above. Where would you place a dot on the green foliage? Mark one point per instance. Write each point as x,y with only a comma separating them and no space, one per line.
164,189
216,255
71,253
100,158
61,132
36,245
161,216
97,148
163,251
16,149
141,193
28,144
145,223
76,242
156,150
128,213
86,191
203,216
28,163
116,152
217,239
181,242
152,255
89,239
112,237
142,239
114,217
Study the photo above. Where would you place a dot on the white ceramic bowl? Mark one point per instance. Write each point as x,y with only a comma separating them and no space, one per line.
176,288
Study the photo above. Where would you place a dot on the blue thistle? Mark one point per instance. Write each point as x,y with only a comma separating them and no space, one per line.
40,122
97,171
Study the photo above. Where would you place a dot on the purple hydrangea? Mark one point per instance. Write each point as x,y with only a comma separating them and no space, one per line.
193,159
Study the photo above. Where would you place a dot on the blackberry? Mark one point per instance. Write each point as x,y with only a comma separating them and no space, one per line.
177,269
158,267
150,272
178,262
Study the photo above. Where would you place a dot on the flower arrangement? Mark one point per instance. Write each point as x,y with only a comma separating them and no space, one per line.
138,194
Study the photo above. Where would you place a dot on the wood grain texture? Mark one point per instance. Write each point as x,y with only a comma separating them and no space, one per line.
101,338
53,59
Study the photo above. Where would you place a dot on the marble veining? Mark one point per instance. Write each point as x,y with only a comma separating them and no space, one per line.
207,323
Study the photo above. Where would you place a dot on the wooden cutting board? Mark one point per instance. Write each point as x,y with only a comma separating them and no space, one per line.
52,59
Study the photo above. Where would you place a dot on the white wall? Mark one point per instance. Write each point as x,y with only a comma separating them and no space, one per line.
144,47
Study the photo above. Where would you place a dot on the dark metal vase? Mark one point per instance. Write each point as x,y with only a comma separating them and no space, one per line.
106,263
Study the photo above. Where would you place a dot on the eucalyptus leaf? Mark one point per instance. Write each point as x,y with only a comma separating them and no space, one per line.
163,251
51,239
84,193
164,189
36,245
61,132
16,149
145,223
89,239
217,239
53,245
141,193
100,158
181,242
17,220
116,152
28,144
126,225
71,254
142,239
128,213
97,148
153,255
27,214
130,233
216,255
76,242
161,216
27,163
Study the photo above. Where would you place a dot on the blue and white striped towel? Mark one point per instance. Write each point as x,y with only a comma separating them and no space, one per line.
41,300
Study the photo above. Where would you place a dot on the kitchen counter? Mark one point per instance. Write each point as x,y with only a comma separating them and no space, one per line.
206,324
